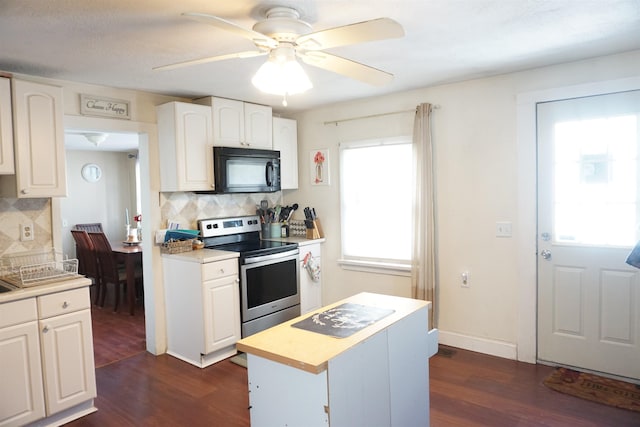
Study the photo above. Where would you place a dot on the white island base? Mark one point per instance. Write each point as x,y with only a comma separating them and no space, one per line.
379,376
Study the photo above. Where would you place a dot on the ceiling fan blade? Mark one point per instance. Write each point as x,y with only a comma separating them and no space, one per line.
346,67
376,29
247,54
259,39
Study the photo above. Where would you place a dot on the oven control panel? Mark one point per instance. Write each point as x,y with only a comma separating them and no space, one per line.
224,226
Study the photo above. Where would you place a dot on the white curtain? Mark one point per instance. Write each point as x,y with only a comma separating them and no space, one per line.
423,261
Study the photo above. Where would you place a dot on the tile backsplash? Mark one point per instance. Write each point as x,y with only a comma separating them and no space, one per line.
184,208
187,208
16,212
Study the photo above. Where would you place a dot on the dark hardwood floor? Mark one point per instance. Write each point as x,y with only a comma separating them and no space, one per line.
117,335
467,389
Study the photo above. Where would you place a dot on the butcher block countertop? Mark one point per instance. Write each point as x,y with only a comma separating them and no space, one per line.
311,351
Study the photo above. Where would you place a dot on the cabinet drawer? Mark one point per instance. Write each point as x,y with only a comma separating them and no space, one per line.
16,312
218,269
63,302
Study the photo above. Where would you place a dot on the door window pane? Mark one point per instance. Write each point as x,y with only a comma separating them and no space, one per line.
596,180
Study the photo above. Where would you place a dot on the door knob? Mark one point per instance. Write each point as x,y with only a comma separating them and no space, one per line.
546,254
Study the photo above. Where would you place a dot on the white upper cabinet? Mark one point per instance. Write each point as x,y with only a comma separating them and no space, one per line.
285,140
6,128
185,139
39,140
240,124
258,126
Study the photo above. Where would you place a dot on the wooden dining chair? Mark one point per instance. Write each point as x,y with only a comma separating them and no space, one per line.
93,226
111,272
87,259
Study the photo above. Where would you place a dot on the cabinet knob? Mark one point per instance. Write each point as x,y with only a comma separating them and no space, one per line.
65,304
24,191
45,329
222,271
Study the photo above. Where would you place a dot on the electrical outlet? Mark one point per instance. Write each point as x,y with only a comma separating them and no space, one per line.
465,279
26,232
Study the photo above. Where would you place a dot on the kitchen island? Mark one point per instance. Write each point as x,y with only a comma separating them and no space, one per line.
377,374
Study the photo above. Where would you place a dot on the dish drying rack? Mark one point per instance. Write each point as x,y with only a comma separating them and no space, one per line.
36,268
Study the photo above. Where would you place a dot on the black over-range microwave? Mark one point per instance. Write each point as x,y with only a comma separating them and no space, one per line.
245,170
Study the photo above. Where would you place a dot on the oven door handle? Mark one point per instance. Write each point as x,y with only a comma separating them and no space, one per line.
278,256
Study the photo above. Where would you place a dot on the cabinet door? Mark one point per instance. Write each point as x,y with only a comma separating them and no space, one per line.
228,122
21,395
39,140
310,291
221,313
285,140
258,122
67,358
6,128
186,141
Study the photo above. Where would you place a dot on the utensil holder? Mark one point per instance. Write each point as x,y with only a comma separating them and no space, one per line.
276,228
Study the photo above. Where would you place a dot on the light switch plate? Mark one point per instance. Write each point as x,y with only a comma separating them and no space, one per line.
503,229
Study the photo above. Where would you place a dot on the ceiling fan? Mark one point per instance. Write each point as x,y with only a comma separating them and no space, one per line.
283,36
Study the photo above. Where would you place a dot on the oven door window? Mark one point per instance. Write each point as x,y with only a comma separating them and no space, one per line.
269,287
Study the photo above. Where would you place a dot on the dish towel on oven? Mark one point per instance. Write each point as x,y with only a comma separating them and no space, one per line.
312,266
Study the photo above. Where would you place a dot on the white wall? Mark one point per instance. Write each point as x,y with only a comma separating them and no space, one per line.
480,169
478,166
104,201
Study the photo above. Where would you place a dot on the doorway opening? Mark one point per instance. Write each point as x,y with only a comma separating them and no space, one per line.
110,195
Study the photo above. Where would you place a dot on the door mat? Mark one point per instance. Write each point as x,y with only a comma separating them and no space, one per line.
595,388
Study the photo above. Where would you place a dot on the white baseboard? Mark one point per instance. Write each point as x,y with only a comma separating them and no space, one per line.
480,345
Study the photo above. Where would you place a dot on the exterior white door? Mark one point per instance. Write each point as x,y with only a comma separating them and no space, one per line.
588,222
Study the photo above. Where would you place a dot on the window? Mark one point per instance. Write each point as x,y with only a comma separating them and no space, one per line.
376,190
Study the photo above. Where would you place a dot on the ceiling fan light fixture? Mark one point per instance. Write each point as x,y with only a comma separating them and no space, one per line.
282,74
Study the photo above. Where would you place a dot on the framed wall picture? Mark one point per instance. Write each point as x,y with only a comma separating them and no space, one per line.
319,167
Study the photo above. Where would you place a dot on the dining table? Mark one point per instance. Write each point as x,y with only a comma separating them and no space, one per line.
129,255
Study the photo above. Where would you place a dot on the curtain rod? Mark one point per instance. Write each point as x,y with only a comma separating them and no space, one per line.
435,107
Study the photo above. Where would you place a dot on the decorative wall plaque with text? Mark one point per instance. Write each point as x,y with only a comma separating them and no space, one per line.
91,105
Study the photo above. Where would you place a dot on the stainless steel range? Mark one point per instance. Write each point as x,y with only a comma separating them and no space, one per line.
269,271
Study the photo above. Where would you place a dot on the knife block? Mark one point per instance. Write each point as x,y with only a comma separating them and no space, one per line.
316,231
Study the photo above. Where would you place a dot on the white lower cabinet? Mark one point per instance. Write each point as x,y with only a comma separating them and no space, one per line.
21,391
48,358
67,350
203,309
310,290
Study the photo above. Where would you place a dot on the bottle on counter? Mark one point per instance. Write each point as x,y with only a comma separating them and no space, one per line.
284,230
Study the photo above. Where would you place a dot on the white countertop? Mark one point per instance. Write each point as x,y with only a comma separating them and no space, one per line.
48,288
203,256
301,241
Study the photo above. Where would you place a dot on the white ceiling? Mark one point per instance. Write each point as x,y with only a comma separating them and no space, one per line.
112,141
117,42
